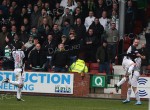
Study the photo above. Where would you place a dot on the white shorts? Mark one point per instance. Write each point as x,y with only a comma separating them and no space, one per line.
17,72
126,63
133,79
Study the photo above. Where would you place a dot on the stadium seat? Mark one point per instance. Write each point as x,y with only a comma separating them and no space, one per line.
94,68
88,65
93,71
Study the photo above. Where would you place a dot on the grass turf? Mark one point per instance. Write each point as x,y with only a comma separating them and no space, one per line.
62,103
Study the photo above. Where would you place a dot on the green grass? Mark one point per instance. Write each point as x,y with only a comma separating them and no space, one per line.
61,103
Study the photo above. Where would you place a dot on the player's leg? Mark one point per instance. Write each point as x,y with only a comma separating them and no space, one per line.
134,83
128,91
16,83
136,92
128,66
19,90
18,94
131,68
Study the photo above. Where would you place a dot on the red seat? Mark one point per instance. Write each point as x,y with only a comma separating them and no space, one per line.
94,71
148,67
94,66
87,64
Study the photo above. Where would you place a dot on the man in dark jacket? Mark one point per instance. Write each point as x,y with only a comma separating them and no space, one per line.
60,59
80,29
98,29
37,59
103,57
144,52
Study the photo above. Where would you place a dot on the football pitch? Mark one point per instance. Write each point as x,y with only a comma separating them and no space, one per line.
63,103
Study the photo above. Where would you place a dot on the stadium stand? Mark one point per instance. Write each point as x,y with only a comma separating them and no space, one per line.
22,19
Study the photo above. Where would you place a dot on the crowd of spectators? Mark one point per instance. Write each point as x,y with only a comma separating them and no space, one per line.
52,30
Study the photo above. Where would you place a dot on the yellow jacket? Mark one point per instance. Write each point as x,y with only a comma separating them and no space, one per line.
79,67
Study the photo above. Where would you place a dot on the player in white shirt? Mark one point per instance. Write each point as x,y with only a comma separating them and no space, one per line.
18,56
128,63
132,83
89,20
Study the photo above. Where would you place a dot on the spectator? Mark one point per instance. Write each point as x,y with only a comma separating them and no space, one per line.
37,58
100,7
8,42
23,34
23,15
104,21
83,7
29,43
98,29
112,39
35,16
56,34
13,31
48,10
4,8
26,24
15,7
66,27
42,30
3,35
3,19
77,14
58,18
80,29
28,51
144,52
58,7
103,57
34,32
64,40
17,43
8,62
130,17
70,4
90,43
29,8
12,14
45,16
114,18
89,20
68,16
60,59
114,8
49,48
74,47
79,66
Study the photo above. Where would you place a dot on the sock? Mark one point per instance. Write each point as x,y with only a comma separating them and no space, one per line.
130,69
129,94
137,96
121,81
18,93
14,82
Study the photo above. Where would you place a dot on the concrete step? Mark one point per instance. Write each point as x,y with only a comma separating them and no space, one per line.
111,91
114,81
110,96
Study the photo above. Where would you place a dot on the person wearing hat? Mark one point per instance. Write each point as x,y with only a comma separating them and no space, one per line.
103,57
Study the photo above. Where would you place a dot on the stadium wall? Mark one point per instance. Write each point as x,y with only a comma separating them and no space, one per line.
81,85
